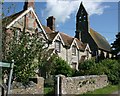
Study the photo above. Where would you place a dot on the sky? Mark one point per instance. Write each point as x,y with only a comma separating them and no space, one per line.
103,16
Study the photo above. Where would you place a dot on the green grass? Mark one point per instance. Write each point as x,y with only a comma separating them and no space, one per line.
106,90
48,90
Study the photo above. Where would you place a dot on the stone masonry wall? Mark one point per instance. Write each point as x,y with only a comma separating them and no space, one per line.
37,88
82,84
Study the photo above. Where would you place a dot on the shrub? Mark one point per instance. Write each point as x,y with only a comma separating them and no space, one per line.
111,69
86,67
107,67
60,66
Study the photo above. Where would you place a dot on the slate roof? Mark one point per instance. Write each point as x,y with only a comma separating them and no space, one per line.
101,42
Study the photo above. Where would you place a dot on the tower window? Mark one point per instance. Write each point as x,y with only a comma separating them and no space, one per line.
80,17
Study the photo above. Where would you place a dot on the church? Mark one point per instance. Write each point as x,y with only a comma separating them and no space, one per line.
98,44
85,44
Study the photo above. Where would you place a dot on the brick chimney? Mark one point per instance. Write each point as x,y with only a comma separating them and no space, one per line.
28,3
51,23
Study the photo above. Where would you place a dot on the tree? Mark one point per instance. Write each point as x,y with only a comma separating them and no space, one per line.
116,44
27,51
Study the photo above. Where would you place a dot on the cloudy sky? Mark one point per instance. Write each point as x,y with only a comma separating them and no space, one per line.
103,16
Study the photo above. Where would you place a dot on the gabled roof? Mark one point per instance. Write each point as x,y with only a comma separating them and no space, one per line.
67,39
15,17
51,35
80,44
100,40
7,20
47,29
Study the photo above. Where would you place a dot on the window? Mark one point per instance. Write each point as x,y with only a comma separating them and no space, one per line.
58,46
74,50
74,65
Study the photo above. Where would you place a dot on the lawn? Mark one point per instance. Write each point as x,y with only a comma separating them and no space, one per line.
103,91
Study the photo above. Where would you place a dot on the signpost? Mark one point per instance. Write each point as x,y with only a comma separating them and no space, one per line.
8,65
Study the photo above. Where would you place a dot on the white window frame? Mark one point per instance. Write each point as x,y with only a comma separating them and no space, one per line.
58,46
74,50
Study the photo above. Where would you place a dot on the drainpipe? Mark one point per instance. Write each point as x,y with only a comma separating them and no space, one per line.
66,54
78,59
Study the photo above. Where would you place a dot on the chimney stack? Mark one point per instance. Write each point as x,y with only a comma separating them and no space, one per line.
51,23
29,3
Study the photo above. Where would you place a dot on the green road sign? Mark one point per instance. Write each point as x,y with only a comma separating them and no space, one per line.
3,64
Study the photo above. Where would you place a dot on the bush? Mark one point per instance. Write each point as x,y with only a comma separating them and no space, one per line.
111,69
60,66
86,67
107,67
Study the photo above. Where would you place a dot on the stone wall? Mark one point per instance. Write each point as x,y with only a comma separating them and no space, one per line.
35,88
82,84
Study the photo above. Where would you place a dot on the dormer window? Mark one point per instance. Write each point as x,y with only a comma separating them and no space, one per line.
74,50
58,46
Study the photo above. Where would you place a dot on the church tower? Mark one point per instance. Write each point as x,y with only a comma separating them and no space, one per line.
82,24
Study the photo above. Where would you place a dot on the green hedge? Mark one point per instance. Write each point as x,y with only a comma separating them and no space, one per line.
108,67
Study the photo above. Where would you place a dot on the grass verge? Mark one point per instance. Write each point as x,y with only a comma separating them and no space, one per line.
48,90
106,90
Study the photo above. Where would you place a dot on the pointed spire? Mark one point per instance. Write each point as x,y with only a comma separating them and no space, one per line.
81,9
